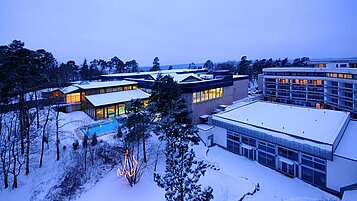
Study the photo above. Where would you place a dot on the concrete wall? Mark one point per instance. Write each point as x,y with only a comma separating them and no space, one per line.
207,107
341,172
240,89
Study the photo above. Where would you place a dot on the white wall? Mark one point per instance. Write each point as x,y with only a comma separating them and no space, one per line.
220,136
340,173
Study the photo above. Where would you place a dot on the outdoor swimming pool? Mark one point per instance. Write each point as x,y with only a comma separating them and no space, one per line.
99,129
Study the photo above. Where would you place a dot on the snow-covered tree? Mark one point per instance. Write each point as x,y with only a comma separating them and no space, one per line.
183,170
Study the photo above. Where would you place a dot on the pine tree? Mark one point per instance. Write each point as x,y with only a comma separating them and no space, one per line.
138,125
84,71
165,92
209,66
183,170
156,64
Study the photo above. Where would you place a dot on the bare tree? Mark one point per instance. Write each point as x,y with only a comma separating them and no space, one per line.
44,137
57,133
5,151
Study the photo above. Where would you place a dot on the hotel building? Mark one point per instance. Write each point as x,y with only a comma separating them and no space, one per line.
328,85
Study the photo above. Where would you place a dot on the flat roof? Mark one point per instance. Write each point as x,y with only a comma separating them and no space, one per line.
153,72
318,125
347,147
95,85
116,97
312,69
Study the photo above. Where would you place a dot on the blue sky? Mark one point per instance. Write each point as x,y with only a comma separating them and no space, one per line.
182,31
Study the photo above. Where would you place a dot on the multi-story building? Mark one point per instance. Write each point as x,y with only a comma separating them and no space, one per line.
325,86
314,145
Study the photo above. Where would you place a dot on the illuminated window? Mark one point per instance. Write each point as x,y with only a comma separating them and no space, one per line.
207,95
101,113
212,93
73,97
120,109
111,111
127,88
135,87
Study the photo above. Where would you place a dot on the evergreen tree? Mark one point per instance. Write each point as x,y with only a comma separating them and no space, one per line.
156,64
170,67
285,62
183,170
165,92
209,66
84,71
192,66
138,121
244,65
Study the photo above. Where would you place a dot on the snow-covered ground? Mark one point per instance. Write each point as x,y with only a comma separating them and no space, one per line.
237,176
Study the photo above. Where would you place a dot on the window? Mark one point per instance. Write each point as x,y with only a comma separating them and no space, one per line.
313,162
266,147
120,109
266,159
73,98
313,177
286,153
127,88
205,95
233,136
249,141
233,146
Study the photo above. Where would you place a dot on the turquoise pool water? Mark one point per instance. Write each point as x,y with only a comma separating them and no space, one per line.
100,129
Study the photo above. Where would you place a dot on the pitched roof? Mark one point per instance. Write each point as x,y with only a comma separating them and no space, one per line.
96,85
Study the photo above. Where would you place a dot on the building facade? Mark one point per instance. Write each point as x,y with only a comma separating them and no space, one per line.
331,88
203,92
314,145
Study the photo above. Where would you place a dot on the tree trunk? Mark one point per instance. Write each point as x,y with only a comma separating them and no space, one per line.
22,123
57,134
44,136
37,115
14,184
28,151
144,147
85,159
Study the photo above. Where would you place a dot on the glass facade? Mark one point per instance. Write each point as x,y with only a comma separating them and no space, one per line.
209,94
287,161
73,97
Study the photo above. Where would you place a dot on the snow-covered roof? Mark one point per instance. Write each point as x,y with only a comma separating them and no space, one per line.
95,85
312,69
204,126
116,97
317,125
347,147
153,72
69,89
182,77
349,195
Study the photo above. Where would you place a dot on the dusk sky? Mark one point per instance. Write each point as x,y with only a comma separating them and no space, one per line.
182,31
